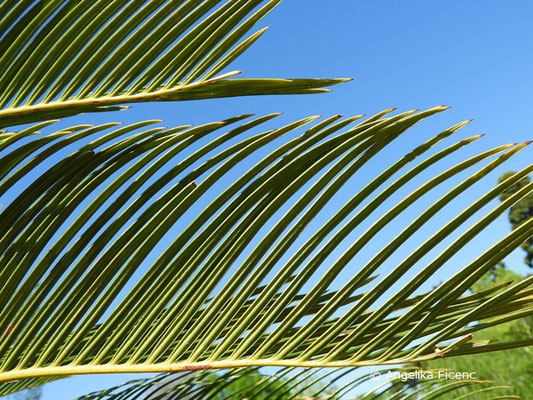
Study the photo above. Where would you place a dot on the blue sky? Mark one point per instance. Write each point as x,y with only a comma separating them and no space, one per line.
472,55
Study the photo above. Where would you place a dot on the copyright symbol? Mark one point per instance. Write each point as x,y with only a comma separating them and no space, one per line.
375,375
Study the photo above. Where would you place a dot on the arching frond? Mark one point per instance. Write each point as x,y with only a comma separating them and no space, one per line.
246,278
65,57
302,384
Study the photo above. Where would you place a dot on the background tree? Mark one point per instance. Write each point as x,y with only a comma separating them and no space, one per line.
520,212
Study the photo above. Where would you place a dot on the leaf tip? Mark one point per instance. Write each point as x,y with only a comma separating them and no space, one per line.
463,124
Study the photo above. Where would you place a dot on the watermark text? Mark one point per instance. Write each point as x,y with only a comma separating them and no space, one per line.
420,374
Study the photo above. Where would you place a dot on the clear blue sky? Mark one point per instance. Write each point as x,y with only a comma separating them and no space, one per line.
472,55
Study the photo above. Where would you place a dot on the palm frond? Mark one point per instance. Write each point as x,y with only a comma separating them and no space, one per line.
65,57
12,387
300,384
86,291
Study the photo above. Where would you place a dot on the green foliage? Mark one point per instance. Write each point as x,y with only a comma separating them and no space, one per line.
295,384
520,212
237,384
499,275
511,367
175,317
66,57
81,227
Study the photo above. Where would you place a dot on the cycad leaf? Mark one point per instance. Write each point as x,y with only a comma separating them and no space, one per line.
65,57
243,282
300,384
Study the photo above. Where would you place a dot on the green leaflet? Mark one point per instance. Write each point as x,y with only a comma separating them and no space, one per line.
65,57
196,306
289,383
246,276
